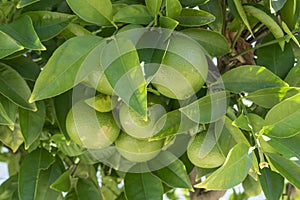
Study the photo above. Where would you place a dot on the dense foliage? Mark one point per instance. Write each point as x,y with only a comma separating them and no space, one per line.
132,99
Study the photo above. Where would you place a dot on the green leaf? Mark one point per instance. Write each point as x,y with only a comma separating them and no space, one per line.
121,66
153,6
174,174
266,20
269,97
192,3
23,32
133,14
8,111
8,188
143,186
232,172
251,186
32,123
93,11
290,13
87,189
168,23
273,58
14,87
286,167
63,182
101,103
193,18
49,24
62,71
277,4
110,188
31,166
173,8
69,148
242,14
272,184
249,78
282,119
293,76
218,48
207,109
12,139
215,8
8,45
242,123
24,3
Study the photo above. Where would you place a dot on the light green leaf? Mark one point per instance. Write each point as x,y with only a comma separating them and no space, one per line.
23,32
218,48
215,8
269,97
69,148
32,123
24,3
173,8
277,4
31,166
193,18
143,186
293,76
121,66
272,183
133,14
49,24
290,34
266,20
14,87
12,139
251,186
168,23
153,6
249,78
282,119
242,123
232,172
110,188
87,189
63,182
286,167
207,109
8,45
242,14
93,11
62,71
174,174
8,111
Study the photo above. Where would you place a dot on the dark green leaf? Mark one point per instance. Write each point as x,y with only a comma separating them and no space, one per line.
192,3
93,11
24,3
23,32
293,76
62,71
8,45
134,14
8,188
215,8
8,112
242,14
87,189
32,123
49,24
143,186
272,183
173,8
14,87
63,182
193,18
31,166
249,78
277,4
12,139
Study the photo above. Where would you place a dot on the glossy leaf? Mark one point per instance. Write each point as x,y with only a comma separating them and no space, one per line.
87,189
8,45
93,11
153,6
30,170
218,48
249,78
214,7
14,87
293,76
290,13
121,66
12,139
282,119
173,8
24,3
207,109
168,23
232,172
242,14
8,111
277,4
49,24
269,97
63,182
134,14
286,167
62,71
193,18
266,20
32,123
23,32
142,186
272,183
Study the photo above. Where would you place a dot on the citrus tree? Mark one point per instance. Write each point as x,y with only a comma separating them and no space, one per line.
133,99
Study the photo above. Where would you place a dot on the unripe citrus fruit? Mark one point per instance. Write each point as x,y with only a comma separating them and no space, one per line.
137,150
89,128
99,81
213,156
183,70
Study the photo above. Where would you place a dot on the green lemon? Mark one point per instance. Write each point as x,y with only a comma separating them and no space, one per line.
183,70
137,150
98,80
89,128
213,158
